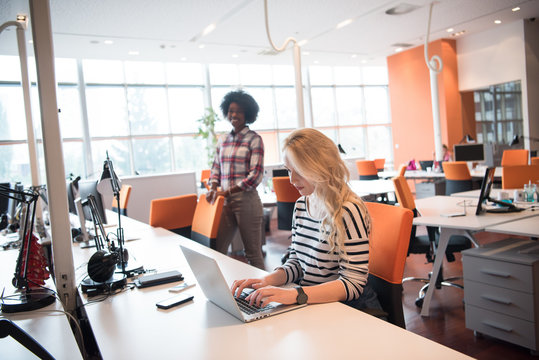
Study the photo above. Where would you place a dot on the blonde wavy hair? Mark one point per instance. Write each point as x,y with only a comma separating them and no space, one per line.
316,158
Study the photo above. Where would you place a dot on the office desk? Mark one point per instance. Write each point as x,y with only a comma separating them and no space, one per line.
493,193
366,188
524,227
431,210
129,326
48,327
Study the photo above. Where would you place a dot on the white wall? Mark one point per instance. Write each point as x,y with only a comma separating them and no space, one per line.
145,188
491,57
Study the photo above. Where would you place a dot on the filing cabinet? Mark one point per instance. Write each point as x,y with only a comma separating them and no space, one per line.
501,285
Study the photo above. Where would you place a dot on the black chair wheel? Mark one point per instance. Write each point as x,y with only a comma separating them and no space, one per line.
419,302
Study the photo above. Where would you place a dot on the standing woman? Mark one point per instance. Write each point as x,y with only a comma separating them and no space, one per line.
329,254
238,168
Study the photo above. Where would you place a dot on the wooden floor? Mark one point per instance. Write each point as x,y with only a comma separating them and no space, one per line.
446,323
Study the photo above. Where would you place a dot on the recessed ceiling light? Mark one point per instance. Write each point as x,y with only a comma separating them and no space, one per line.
94,41
108,42
363,61
354,56
235,55
515,9
401,9
497,21
450,30
316,62
183,58
306,53
302,42
30,41
201,46
399,49
344,23
133,52
208,29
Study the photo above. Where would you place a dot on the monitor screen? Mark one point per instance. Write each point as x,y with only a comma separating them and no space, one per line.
86,188
469,152
4,200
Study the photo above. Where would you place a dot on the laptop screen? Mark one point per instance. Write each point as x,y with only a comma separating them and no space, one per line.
486,185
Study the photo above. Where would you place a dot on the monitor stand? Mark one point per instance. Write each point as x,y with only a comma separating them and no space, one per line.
505,207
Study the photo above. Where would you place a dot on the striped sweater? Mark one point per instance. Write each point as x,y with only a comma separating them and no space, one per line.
310,261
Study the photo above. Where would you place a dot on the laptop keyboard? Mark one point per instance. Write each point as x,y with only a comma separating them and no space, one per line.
248,308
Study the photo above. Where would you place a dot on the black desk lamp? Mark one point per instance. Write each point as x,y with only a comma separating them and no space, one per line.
516,139
468,138
109,180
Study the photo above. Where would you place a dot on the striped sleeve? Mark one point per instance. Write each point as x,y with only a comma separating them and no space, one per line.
354,262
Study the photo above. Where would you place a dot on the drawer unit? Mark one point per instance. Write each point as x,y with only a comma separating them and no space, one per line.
501,291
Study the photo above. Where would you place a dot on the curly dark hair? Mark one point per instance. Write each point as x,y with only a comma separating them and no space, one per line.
247,103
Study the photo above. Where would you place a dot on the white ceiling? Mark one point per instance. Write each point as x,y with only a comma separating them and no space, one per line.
169,30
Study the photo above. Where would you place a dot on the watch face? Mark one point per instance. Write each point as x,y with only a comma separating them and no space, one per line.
302,297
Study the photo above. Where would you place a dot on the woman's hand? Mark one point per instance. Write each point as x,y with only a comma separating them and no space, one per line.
238,285
263,296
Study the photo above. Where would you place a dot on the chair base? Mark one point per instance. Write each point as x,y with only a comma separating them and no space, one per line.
439,283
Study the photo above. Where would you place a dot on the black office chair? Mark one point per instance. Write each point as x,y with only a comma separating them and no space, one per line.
427,244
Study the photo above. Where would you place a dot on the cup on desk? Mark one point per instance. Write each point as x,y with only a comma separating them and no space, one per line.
503,195
519,195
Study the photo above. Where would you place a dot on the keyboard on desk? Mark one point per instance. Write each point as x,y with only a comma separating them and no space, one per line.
248,308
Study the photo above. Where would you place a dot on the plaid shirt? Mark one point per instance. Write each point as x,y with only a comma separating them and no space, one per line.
239,160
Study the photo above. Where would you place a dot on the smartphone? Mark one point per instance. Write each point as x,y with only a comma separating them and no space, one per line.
181,287
174,301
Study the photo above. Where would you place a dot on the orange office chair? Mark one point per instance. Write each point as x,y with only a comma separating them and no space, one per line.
204,178
425,244
286,195
206,221
457,177
366,170
174,213
534,160
514,157
125,191
388,245
379,164
514,177
402,170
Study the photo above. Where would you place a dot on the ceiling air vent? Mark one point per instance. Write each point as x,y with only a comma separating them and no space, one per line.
401,9
401,45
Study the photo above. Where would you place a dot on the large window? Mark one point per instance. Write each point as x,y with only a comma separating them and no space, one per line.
498,113
144,114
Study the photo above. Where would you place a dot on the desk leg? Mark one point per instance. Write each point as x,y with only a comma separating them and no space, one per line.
445,235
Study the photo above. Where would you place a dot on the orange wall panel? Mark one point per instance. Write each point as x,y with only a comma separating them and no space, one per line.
410,101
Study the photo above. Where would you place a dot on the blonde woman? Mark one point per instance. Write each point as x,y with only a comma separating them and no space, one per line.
329,254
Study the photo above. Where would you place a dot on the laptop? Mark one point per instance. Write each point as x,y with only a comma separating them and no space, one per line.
484,196
215,288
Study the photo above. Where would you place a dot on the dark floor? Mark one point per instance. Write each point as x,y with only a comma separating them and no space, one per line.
446,323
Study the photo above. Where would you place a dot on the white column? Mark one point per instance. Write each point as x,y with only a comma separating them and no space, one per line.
54,159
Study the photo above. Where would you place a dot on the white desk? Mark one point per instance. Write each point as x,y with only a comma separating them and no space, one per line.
524,227
48,327
475,193
431,210
128,325
372,187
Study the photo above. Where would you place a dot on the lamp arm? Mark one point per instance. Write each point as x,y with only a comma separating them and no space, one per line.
287,41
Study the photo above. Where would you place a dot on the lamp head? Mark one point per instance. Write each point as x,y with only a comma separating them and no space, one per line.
515,141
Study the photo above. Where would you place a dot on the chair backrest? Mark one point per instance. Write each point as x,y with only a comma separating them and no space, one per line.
456,170
284,190
366,170
125,191
379,164
457,177
402,170
534,160
206,221
205,177
512,157
514,177
174,213
403,193
388,247
286,195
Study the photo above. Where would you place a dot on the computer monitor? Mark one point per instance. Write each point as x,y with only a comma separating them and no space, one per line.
86,188
484,196
4,200
469,152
